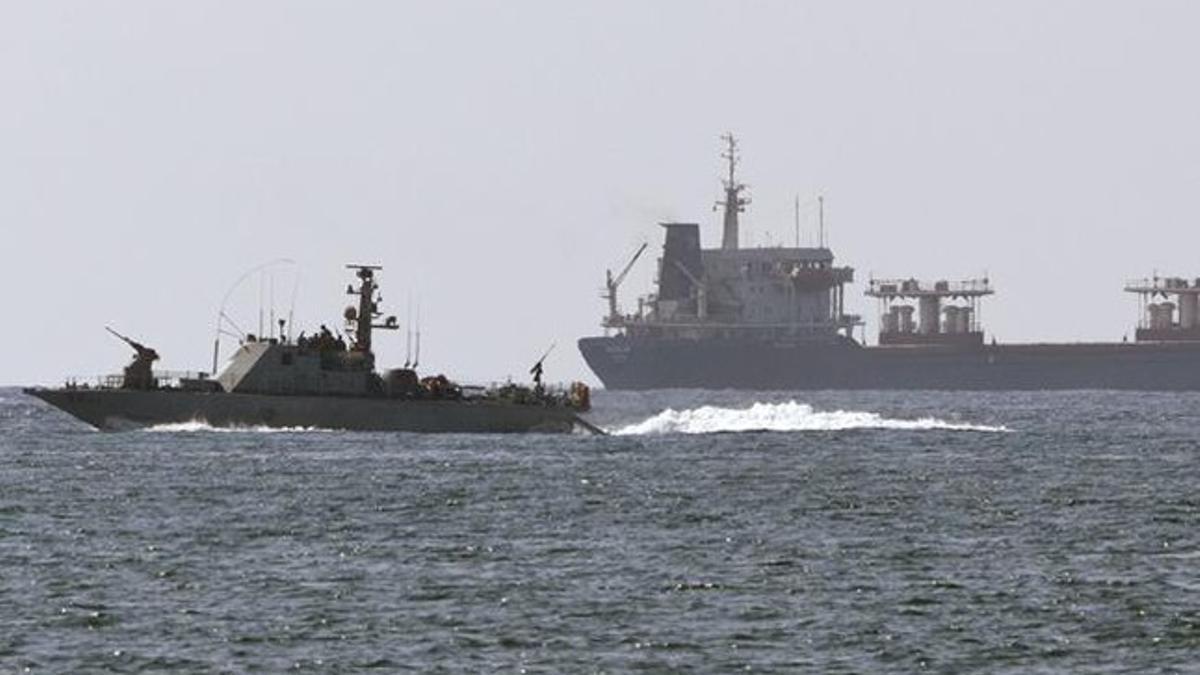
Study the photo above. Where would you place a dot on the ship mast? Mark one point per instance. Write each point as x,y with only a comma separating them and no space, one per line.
734,202
368,307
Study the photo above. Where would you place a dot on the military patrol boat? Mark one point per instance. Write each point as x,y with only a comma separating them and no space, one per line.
319,382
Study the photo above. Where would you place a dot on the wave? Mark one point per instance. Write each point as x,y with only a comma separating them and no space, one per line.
200,425
790,416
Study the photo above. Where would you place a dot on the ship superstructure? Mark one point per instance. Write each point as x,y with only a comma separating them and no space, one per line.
775,318
734,293
1158,298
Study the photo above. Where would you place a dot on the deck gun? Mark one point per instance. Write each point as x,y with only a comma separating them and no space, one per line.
143,352
537,370
139,373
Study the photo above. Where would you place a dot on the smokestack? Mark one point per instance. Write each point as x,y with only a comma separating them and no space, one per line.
680,250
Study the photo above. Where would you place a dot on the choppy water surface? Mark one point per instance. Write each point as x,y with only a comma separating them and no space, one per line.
719,531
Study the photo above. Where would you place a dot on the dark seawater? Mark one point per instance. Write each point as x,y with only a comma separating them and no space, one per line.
854,543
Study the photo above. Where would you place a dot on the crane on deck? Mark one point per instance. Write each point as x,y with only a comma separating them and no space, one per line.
611,283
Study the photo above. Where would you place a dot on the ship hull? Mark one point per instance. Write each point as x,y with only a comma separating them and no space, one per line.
647,363
118,409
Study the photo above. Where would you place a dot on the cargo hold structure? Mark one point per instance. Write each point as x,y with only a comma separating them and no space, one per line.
775,318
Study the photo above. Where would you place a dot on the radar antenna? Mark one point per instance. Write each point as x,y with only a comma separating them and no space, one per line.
734,202
363,320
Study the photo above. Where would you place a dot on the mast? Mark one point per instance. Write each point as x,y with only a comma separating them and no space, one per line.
417,356
797,213
734,203
821,218
368,307
408,339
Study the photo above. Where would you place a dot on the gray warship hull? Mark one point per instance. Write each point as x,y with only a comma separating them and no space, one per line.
119,409
649,363
323,382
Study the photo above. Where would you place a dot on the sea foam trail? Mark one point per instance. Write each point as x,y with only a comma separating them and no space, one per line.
199,425
790,416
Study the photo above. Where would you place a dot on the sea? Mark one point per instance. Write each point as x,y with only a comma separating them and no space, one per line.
709,532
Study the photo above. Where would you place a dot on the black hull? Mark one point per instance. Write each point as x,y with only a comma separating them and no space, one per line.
114,409
646,363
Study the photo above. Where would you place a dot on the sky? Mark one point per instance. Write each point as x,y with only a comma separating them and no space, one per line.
497,157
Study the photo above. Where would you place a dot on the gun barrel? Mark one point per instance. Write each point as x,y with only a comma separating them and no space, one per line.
547,353
137,346
118,335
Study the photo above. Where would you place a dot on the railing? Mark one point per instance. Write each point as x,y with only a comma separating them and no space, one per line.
691,322
552,394
493,387
914,287
172,378
1162,285
162,379
94,381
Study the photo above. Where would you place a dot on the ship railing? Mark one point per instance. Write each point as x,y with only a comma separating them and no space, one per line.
831,275
557,394
620,321
494,386
163,379
915,287
108,381
692,322
175,378
1161,285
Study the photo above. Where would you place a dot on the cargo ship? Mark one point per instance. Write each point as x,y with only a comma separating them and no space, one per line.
775,319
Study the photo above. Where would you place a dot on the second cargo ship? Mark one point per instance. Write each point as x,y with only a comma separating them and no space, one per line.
774,318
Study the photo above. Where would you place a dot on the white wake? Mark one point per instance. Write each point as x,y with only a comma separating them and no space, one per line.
200,425
790,416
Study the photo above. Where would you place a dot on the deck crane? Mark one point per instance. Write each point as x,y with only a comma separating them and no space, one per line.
612,283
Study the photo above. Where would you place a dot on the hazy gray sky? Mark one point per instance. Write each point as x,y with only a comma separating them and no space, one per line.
495,157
